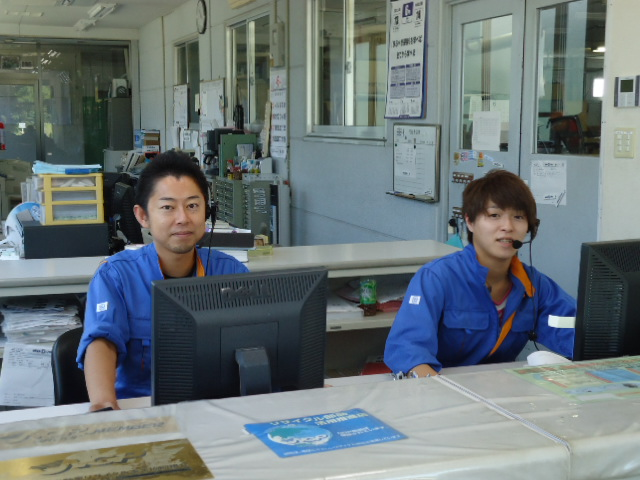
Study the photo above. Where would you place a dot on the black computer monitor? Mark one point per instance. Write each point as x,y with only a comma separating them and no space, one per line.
230,335
608,317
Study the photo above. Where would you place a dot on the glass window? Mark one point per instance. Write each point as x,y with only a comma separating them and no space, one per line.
570,77
188,72
350,44
486,60
250,65
55,98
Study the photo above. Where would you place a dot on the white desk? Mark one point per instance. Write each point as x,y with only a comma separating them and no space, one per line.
348,347
604,435
450,436
356,259
47,276
72,275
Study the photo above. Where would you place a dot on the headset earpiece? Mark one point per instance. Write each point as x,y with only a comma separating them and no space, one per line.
534,230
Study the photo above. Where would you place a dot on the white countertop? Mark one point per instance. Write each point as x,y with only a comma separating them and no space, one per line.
72,275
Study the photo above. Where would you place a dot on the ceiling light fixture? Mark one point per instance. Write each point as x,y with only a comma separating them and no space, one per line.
101,10
82,24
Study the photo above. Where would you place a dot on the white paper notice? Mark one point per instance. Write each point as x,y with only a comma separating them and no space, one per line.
549,182
405,158
486,131
26,379
406,59
279,122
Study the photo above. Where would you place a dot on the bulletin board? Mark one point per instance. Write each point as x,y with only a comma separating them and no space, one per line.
212,105
416,162
181,106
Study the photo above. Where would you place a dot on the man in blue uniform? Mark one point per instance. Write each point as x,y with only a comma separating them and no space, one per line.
172,196
481,305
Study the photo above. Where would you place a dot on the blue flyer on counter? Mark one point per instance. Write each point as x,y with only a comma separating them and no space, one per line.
322,433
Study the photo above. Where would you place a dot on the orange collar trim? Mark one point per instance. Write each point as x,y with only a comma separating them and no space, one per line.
200,271
518,271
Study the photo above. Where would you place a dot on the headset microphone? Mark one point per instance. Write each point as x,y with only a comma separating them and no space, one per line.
517,244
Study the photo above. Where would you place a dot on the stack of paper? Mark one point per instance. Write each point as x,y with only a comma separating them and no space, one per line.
38,319
31,325
339,308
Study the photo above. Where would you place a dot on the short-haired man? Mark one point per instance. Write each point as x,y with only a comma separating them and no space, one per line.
172,198
482,304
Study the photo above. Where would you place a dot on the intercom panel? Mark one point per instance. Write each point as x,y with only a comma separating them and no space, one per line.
626,91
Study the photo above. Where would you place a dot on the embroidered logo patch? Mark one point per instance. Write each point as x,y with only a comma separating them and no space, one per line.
102,307
414,300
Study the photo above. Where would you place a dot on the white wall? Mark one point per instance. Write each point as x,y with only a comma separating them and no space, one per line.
620,177
338,188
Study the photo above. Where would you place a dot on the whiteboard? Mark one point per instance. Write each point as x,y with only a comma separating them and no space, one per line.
416,163
212,105
181,106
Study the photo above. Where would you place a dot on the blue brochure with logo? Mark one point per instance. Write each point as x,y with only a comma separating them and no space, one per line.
323,433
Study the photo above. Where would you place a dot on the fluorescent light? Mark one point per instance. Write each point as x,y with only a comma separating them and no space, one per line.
600,49
598,87
82,24
101,10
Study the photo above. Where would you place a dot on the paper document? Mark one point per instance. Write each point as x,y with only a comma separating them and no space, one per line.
549,182
486,131
38,319
26,379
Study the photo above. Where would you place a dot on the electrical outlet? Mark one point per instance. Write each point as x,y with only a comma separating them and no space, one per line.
624,142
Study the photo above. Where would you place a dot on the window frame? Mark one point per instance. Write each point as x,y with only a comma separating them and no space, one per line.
348,133
231,92
194,117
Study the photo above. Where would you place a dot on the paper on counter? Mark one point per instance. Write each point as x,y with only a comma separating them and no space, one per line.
26,379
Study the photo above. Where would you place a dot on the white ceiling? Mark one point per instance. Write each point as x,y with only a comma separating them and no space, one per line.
51,13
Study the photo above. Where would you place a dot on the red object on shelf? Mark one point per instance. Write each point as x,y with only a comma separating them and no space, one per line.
373,368
3,146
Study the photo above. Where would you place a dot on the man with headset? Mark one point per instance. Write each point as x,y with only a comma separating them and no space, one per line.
172,201
482,304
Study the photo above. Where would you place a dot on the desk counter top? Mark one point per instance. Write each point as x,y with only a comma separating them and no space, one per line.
355,259
449,436
72,275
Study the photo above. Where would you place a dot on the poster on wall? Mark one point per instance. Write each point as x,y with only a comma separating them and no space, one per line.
212,104
181,106
407,59
279,132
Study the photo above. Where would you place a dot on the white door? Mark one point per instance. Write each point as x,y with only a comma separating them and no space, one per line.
485,98
522,71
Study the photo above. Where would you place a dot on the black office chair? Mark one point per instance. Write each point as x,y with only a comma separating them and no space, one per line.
68,380
567,132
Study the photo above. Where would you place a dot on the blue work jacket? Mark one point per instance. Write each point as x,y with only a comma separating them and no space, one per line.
119,310
448,319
